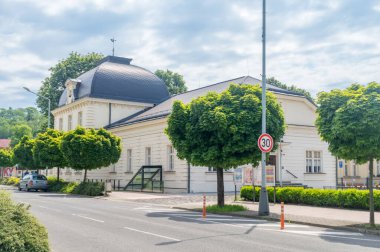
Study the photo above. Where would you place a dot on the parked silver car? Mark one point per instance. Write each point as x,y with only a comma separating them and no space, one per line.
33,182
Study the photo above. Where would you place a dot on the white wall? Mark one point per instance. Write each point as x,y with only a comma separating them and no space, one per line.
302,139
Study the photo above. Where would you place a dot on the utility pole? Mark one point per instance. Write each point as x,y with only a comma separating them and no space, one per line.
263,203
113,40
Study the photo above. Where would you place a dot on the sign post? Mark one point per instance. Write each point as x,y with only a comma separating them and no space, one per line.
265,143
263,203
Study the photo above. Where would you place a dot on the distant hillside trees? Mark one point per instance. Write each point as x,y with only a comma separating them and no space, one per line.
16,123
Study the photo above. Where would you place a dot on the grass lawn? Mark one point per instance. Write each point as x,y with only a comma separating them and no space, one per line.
225,209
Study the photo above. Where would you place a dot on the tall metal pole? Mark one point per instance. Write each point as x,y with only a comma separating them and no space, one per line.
113,45
49,113
263,204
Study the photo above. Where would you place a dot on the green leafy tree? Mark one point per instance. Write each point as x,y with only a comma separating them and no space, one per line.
6,159
174,81
71,67
11,118
221,130
349,121
277,83
23,154
18,132
47,152
89,149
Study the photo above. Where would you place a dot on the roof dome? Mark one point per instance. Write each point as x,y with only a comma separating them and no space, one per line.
114,78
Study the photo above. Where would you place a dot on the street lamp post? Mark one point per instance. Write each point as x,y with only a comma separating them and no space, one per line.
43,97
49,103
263,203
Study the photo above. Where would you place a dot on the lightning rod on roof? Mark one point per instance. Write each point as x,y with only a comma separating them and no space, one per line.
113,40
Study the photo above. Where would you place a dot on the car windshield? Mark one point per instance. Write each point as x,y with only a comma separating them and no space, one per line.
39,177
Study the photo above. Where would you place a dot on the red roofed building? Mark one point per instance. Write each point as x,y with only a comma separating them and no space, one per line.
5,143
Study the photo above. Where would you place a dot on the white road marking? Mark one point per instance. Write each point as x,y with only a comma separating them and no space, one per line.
88,218
149,233
323,234
149,209
52,209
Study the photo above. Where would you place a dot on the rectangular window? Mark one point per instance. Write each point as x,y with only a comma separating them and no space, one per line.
148,156
129,160
113,168
345,168
80,123
170,158
70,122
313,161
60,124
211,169
354,169
378,167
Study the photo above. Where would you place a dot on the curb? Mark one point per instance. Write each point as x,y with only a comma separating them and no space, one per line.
237,214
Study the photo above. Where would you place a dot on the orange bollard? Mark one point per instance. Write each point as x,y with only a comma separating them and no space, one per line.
282,220
204,207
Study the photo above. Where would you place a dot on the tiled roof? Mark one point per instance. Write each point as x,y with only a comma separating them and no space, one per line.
5,143
116,79
164,108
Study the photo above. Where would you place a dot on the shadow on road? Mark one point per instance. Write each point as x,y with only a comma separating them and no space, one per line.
369,241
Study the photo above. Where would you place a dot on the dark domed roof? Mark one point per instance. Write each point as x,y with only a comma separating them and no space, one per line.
116,79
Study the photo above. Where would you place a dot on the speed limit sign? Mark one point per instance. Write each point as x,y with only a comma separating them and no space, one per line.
265,143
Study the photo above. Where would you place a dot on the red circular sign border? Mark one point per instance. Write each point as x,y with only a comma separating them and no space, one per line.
258,142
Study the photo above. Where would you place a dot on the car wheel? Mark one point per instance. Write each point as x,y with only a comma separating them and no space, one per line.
45,190
19,188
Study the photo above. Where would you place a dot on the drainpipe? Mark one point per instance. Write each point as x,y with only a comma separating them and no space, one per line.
188,177
109,113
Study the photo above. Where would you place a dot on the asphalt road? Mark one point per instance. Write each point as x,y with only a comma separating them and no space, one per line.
87,224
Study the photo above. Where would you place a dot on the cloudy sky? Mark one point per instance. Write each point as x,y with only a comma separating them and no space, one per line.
315,44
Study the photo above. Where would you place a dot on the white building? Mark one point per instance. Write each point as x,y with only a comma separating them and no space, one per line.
134,104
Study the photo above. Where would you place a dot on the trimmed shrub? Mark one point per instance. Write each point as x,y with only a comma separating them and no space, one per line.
20,231
83,188
3,181
13,181
89,188
350,198
10,181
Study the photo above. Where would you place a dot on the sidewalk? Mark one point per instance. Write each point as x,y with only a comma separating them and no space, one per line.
310,215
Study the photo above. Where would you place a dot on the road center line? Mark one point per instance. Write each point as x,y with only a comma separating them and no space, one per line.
144,232
88,218
52,209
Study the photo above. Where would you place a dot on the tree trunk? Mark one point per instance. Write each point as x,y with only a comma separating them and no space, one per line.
220,186
371,200
57,173
85,175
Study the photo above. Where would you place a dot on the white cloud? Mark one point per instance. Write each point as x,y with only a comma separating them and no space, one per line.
310,43
376,7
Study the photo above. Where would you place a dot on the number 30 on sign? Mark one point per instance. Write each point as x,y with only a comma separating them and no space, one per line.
265,143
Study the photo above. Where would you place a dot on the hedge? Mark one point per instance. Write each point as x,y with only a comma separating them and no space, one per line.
83,188
10,181
20,231
348,198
